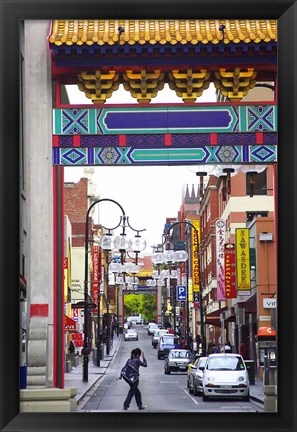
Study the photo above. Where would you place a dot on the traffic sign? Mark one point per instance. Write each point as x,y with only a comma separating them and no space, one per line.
181,292
196,296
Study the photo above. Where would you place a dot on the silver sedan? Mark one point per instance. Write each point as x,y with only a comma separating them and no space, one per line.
131,334
195,376
177,361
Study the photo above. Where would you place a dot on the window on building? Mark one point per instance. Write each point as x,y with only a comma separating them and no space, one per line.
251,215
259,183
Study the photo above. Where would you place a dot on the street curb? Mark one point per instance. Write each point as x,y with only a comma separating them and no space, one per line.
257,399
79,398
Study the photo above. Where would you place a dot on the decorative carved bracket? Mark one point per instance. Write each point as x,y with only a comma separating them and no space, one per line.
98,86
143,85
189,85
235,84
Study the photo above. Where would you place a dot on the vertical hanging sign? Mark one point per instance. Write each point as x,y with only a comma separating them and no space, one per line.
195,255
220,258
230,271
75,314
95,276
243,260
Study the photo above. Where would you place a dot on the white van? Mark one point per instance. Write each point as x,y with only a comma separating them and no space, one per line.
135,319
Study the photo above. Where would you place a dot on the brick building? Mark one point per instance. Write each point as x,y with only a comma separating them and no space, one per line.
243,317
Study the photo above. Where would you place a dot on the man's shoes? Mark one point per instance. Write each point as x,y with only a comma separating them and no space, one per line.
142,407
125,407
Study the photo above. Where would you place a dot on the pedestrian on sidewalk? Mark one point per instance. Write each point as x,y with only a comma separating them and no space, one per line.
71,348
132,378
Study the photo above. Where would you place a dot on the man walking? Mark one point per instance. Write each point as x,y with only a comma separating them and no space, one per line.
130,373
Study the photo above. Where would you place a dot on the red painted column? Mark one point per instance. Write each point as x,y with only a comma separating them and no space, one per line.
275,226
58,269
54,279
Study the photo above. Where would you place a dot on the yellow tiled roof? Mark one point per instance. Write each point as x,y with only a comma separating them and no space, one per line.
78,32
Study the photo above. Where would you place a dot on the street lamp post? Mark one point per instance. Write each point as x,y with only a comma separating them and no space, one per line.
197,253
122,244
86,348
98,343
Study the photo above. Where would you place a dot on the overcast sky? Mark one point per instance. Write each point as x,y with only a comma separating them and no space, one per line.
147,194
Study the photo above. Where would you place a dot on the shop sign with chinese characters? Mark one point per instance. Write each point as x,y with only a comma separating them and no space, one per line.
243,259
230,271
195,255
95,275
220,258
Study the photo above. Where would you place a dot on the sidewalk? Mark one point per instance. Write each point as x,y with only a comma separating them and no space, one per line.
257,391
74,378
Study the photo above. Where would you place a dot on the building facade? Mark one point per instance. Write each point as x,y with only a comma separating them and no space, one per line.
240,319
44,145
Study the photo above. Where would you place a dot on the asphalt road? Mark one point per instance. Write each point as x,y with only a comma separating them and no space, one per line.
160,392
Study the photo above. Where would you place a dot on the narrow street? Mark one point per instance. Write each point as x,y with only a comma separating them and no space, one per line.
160,392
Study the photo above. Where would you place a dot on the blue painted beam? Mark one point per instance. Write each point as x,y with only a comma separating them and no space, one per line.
165,119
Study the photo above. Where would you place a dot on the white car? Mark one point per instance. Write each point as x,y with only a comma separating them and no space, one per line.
225,375
151,327
156,336
131,334
177,361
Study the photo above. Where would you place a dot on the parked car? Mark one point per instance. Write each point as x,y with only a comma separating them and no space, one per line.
225,375
177,361
156,336
127,325
165,344
195,376
151,327
131,334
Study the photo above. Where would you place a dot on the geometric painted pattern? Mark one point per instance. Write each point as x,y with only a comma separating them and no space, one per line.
262,154
202,118
73,157
165,140
261,118
164,156
75,122
165,135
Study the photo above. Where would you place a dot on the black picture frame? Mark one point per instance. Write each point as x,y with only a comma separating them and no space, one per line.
11,12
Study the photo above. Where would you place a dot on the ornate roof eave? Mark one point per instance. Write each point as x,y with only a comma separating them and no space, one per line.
65,54
147,43
145,54
140,32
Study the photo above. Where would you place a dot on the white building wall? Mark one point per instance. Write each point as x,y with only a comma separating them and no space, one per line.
77,274
37,127
247,204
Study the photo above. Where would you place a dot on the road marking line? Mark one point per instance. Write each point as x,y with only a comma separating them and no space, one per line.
191,397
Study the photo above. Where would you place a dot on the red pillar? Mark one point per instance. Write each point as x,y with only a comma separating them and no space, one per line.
58,292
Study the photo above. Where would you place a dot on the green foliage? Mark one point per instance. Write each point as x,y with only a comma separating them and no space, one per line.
131,305
144,304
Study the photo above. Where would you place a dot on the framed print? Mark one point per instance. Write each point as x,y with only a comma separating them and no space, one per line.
12,117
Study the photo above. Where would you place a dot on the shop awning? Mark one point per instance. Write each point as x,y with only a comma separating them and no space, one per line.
230,314
266,331
213,318
70,325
